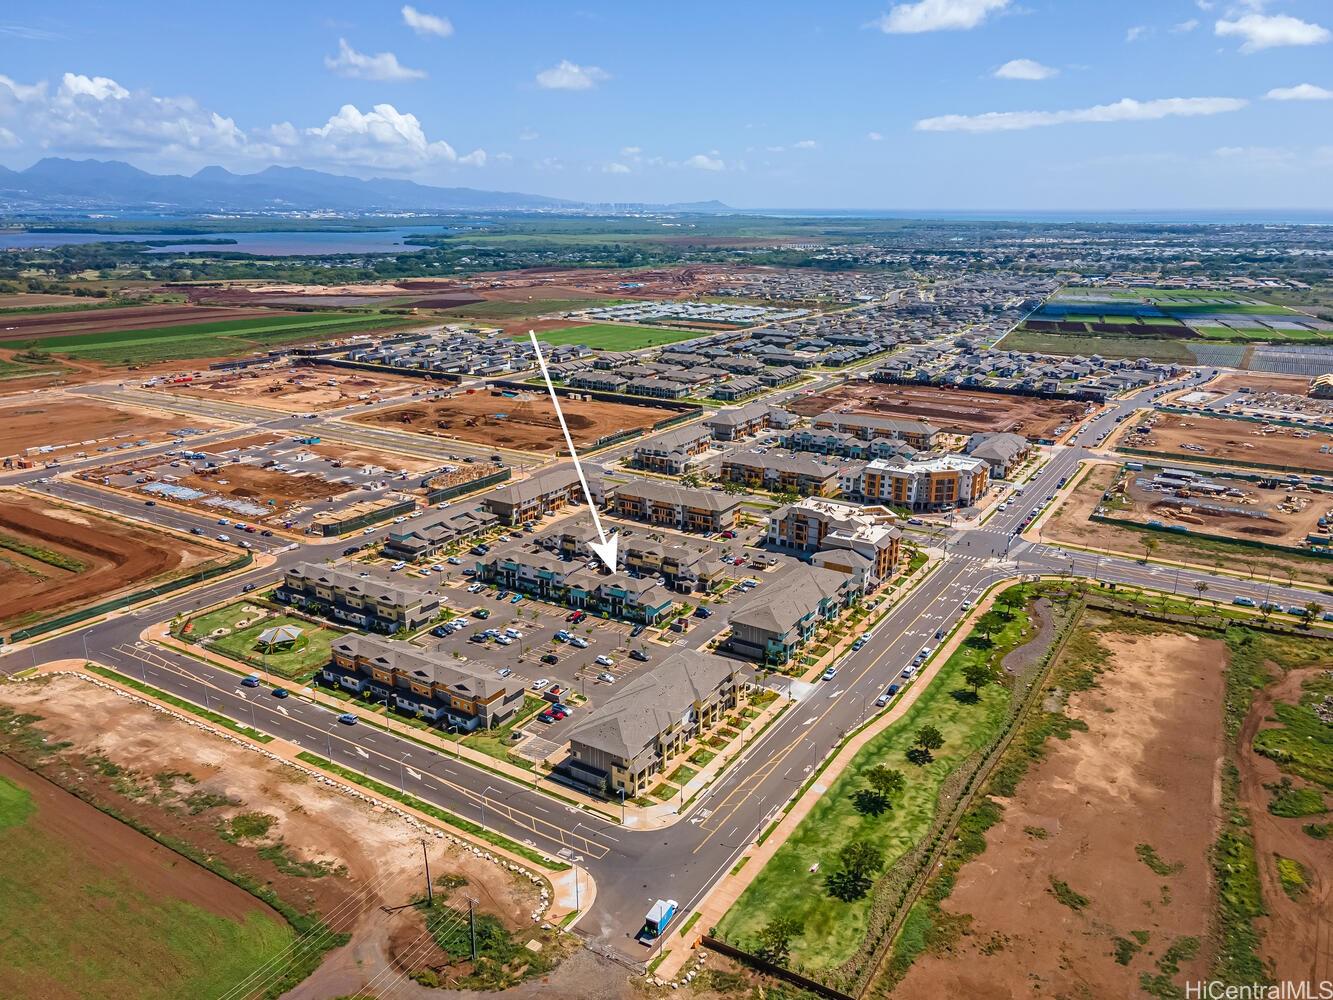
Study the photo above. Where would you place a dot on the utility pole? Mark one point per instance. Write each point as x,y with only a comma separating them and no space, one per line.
472,926
430,894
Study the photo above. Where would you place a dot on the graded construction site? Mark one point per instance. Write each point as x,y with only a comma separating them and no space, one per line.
961,411
59,427
55,558
291,390
1233,441
525,421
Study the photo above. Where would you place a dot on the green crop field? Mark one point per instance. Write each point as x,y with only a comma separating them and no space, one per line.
786,887
76,922
201,340
610,337
1166,349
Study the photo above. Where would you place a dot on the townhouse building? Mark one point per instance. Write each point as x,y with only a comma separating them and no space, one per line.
674,506
781,472
1003,452
739,422
917,433
361,601
414,540
773,629
430,685
673,452
573,584
529,499
620,747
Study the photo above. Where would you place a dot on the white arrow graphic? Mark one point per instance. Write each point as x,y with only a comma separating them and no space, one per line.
606,548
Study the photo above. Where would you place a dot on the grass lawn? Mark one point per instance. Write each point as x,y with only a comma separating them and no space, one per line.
497,742
199,340
787,888
297,662
610,337
76,922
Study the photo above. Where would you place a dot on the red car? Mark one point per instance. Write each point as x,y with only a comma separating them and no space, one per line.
728,534
572,616
579,616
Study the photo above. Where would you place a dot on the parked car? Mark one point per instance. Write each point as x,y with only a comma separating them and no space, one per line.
637,631
884,699
570,617
578,642
829,674
516,598
482,613
505,672
638,654
605,661
547,717
579,616
606,678
702,612
541,682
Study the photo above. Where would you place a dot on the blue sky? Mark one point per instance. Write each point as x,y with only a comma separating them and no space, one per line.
956,104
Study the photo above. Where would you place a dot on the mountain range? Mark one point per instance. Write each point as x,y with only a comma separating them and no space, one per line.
56,183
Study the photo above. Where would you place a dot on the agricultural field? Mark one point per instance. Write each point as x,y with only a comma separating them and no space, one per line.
71,424
1191,436
525,423
55,559
295,390
614,337
148,334
1071,523
799,883
234,631
325,861
959,411
499,310
1029,341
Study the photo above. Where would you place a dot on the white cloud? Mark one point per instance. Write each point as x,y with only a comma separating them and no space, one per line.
96,115
528,134
615,168
1136,32
566,75
874,136
1024,69
630,150
937,15
1184,27
1300,92
805,144
360,66
1124,110
1267,31
427,24
702,161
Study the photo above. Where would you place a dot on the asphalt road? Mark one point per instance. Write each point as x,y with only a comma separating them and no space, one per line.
635,867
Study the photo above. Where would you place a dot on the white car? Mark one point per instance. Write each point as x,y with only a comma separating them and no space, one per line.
437,568
578,642
605,661
513,633
504,640
540,683
461,622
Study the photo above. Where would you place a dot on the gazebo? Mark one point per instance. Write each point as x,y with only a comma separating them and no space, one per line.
279,635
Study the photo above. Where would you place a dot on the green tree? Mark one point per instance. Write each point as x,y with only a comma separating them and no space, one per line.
990,623
928,739
858,862
978,674
885,783
775,939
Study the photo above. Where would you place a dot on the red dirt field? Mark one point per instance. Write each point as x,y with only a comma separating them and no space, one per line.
25,326
295,390
1193,437
1144,775
115,557
529,424
65,422
1295,385
961,411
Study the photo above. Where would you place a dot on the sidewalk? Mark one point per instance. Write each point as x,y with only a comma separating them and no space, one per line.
713,907
561,896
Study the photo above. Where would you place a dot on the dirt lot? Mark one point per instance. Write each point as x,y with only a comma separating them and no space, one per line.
250,482
367,857
1284,517
65,422
59,558
1070,523
958,410
1295,385
1144,775
25,326
295,390
390,460
529,423
1238,441
1295,932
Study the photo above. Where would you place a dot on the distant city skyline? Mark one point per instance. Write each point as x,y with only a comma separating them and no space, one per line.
931,104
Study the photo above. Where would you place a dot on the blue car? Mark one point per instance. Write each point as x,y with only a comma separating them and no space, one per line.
347,719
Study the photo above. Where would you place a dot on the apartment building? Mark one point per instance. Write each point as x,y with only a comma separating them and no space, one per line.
917,433
774,628
543,493
433,686
781,472
932,484
617,595
673,452
621,747
361,601
739,422
415,540
1003,452
844,445
675,506
863,542
683,568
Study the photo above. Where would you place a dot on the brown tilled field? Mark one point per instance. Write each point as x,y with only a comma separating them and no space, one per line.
961,411
296,390
1140,783
26,326
1295,385
68,421
524,424
55,558
1241,442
